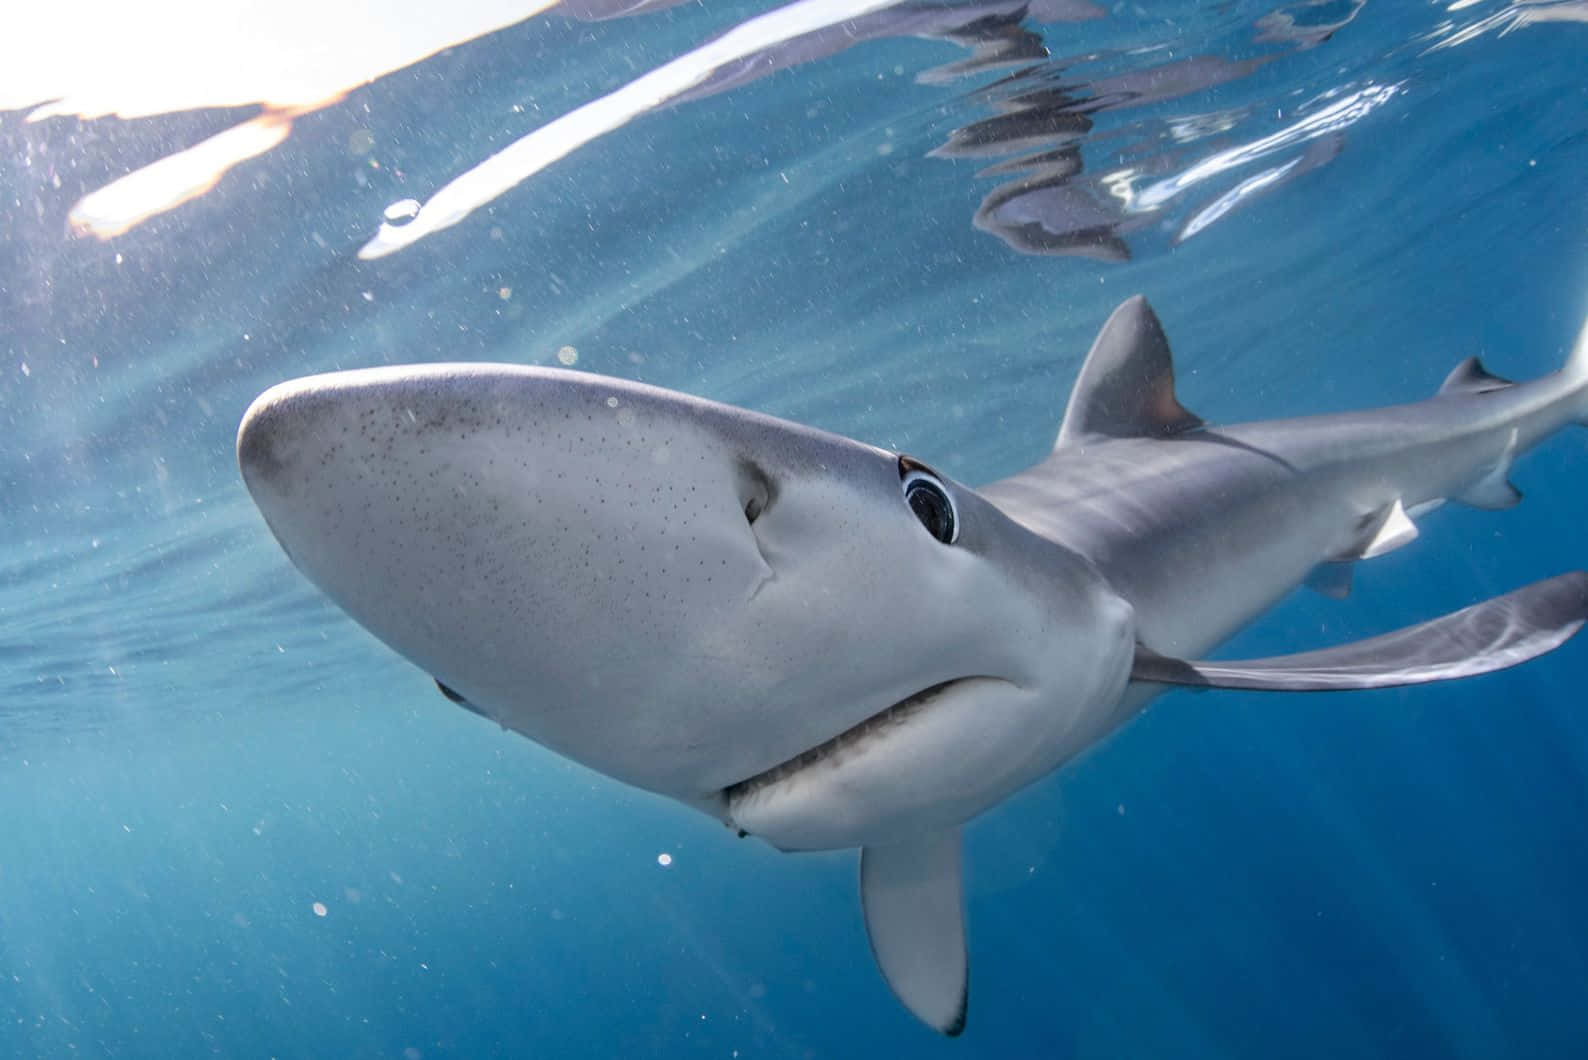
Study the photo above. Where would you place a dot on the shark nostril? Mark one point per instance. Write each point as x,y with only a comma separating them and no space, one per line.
755,490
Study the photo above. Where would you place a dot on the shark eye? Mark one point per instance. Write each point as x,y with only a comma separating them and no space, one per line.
932,505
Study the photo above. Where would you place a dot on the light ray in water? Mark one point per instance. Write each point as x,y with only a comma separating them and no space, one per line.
529,155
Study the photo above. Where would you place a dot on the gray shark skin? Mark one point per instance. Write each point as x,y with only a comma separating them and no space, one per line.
829,645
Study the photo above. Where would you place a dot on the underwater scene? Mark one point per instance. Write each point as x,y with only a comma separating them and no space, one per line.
942,528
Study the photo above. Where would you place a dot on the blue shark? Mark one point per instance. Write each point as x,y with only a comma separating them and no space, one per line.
827,644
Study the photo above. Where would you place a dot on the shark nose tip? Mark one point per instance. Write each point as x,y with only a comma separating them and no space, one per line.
263,432
255,438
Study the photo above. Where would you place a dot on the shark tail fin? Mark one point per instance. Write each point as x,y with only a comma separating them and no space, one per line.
1576,372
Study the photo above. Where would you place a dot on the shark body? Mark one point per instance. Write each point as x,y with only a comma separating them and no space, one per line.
828,645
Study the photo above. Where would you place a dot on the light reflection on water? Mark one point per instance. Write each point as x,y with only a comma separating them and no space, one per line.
1045,112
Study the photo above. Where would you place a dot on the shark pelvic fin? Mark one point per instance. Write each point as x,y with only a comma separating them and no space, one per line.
1126,386
912,895
1493,635
1470,377
1383,532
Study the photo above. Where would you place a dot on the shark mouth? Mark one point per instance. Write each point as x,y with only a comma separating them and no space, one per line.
851,739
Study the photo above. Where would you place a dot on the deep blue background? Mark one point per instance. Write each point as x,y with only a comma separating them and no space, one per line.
195,748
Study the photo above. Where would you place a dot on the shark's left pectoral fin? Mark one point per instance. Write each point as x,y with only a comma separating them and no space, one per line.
1493,635
912,895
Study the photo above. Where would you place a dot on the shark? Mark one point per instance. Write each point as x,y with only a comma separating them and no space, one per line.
830,645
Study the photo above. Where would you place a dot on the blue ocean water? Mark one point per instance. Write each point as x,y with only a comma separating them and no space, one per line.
234,823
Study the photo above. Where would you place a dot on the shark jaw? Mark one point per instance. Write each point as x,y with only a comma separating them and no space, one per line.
818,641
810,801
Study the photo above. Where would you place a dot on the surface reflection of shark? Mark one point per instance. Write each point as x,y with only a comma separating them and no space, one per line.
1052,207
830,645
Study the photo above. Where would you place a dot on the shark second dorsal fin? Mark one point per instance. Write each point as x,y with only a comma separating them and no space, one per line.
1470,377
1126,387
914,904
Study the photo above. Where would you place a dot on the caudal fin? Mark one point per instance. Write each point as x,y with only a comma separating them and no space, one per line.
1576,371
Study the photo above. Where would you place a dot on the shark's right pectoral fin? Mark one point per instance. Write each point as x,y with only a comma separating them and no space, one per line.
1493,635
912,895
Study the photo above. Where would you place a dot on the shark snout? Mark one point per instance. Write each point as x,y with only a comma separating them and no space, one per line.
272,432
331,421
563,552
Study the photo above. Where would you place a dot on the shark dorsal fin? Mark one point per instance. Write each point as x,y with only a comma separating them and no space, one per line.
1470,377
1126,388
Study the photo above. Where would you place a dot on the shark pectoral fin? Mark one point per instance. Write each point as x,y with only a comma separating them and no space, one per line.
1126,386
1493,635
912,895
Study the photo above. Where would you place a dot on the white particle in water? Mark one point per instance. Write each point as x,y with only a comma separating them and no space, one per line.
567,356
664,860
320,909
402,211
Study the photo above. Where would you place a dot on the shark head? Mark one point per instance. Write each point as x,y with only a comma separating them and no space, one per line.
818,641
